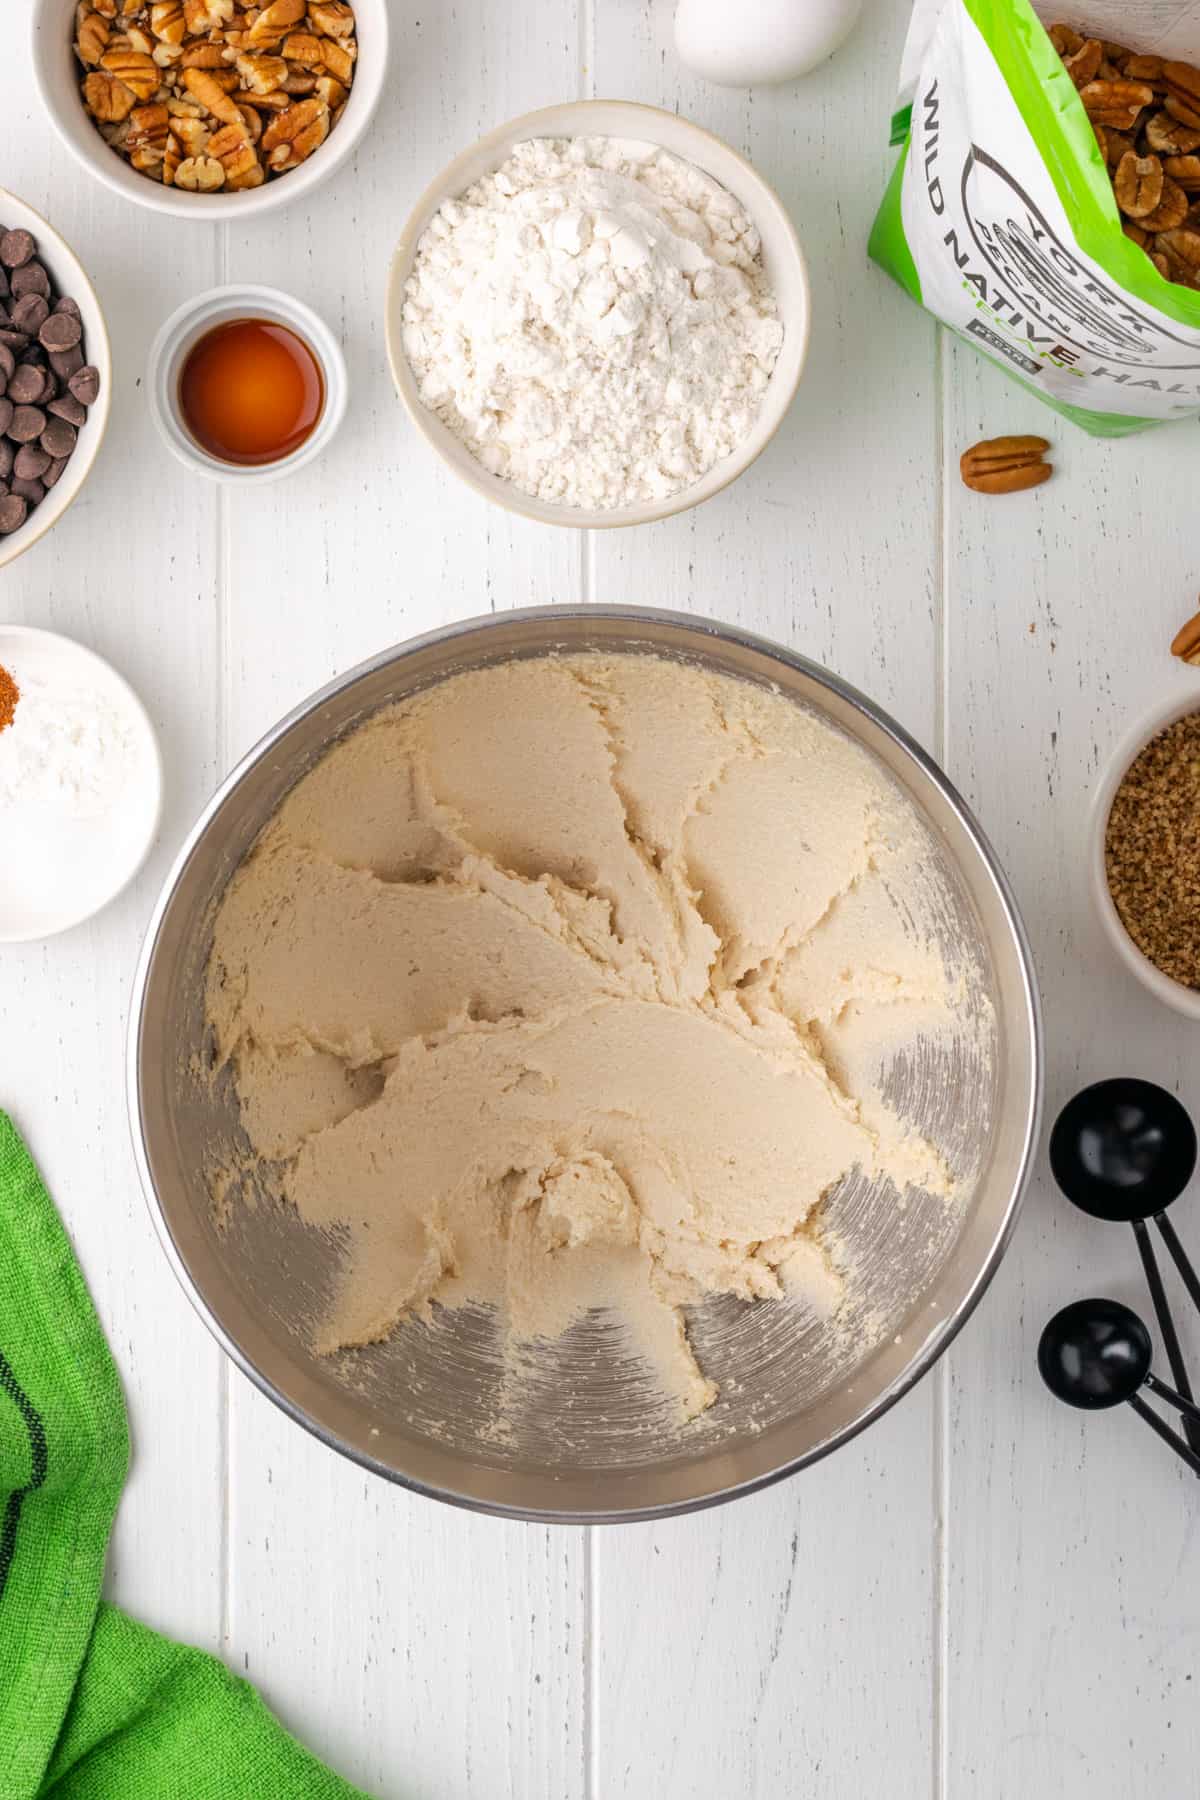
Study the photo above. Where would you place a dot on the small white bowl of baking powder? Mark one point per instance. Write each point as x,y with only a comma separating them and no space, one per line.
80,784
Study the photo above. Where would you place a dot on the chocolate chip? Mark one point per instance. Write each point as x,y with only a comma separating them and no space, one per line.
31,462
25,384
16,247
68,408
58,438
27,423
61,331
84,383
46,382
30,312
65,362
30,278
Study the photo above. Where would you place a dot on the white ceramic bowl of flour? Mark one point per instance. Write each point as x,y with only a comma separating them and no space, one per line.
783,264
80,785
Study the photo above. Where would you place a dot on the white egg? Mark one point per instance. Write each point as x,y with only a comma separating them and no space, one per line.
746,43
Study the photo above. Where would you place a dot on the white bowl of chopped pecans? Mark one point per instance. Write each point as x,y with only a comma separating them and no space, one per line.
210,109
1143,858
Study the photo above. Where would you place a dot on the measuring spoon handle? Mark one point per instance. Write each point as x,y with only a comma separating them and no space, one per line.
1188,1407
1165,1433
1166,1323
1182,1261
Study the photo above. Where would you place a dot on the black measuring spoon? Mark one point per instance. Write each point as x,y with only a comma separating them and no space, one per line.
1096,1353
1124,1150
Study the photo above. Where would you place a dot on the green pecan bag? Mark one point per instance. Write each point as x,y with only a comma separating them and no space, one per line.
1001,220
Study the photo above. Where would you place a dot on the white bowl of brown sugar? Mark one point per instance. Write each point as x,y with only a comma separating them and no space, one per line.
1144,855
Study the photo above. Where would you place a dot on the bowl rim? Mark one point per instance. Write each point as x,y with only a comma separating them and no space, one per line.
25,538
948,1325
137,706
550,121
1178,705
260,300
212,209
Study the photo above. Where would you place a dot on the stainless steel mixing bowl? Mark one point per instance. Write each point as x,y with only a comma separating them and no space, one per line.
593,1441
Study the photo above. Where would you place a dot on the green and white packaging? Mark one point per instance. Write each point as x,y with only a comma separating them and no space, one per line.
1000,217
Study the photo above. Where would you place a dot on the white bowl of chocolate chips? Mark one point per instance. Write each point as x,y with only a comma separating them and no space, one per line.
55,376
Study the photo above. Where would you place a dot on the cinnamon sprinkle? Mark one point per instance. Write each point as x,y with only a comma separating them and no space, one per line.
10,693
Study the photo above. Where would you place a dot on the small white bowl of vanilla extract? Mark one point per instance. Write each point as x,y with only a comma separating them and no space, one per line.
246,384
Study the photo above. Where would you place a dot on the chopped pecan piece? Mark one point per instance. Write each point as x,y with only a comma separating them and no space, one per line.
332,18
167,21
207,91
268,29
260,74
338,56
200,174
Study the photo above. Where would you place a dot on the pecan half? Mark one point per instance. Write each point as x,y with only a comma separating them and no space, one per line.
1184,111
1138,184
1185,172
1181,249
108,99
1084,65
200,174
1186,642
1145,68
1006,465
135,68
1066,40
294,134
1171,210
91,36
1116,103
1183,86
1168,137
1135,233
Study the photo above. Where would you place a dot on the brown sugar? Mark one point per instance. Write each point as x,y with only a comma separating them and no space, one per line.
10,693
1152,851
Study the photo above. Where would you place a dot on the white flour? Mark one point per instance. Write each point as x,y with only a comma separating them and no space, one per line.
68,750
593,321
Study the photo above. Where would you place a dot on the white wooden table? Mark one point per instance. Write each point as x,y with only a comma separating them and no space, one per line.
986,1596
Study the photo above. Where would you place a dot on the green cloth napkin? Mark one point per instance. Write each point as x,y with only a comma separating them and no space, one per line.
92,1705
